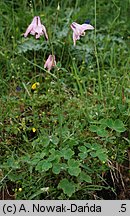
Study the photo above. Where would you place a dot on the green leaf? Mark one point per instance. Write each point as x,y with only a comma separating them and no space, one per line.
116,125
101,154
83,154
103,122
34,161
93,128
42,154
56,168
55,155
68,187
84,177
43,165
103,126
93,154
67,153
74,171
44,141
64,166
55,159
102,132
37,157
73,163
11,162
59,64
52,157
96,146
88,145
25,158
52,151
64,70
72,142
119,126
82,148
110,123
54,140
28,44
73,167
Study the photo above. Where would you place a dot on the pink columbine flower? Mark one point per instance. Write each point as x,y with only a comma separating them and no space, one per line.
50,62
79,30
36,28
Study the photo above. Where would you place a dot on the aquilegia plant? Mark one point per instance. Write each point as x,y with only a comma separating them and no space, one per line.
59,160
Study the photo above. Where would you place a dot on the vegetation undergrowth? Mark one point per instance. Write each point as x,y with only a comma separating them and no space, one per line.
62,131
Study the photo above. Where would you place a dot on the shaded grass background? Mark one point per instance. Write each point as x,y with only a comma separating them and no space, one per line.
67,107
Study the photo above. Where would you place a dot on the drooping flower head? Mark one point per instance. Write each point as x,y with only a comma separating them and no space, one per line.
79,30
50,62
36,28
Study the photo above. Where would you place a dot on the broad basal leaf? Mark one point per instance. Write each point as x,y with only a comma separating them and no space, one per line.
56,168
84,177
43,165
73,167
67,153
68,187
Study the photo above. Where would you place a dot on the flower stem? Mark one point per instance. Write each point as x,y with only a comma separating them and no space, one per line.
59,108
96,55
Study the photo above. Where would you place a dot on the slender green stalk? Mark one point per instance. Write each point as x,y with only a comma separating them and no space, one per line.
77,3
5,176
35,62
58,82
59,89
55,25
78,80
13,25
96,54
118,13
24,85
74,69
59,108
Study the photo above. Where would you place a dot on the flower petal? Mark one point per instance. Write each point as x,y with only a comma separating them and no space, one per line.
31,26
45,33
87,27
